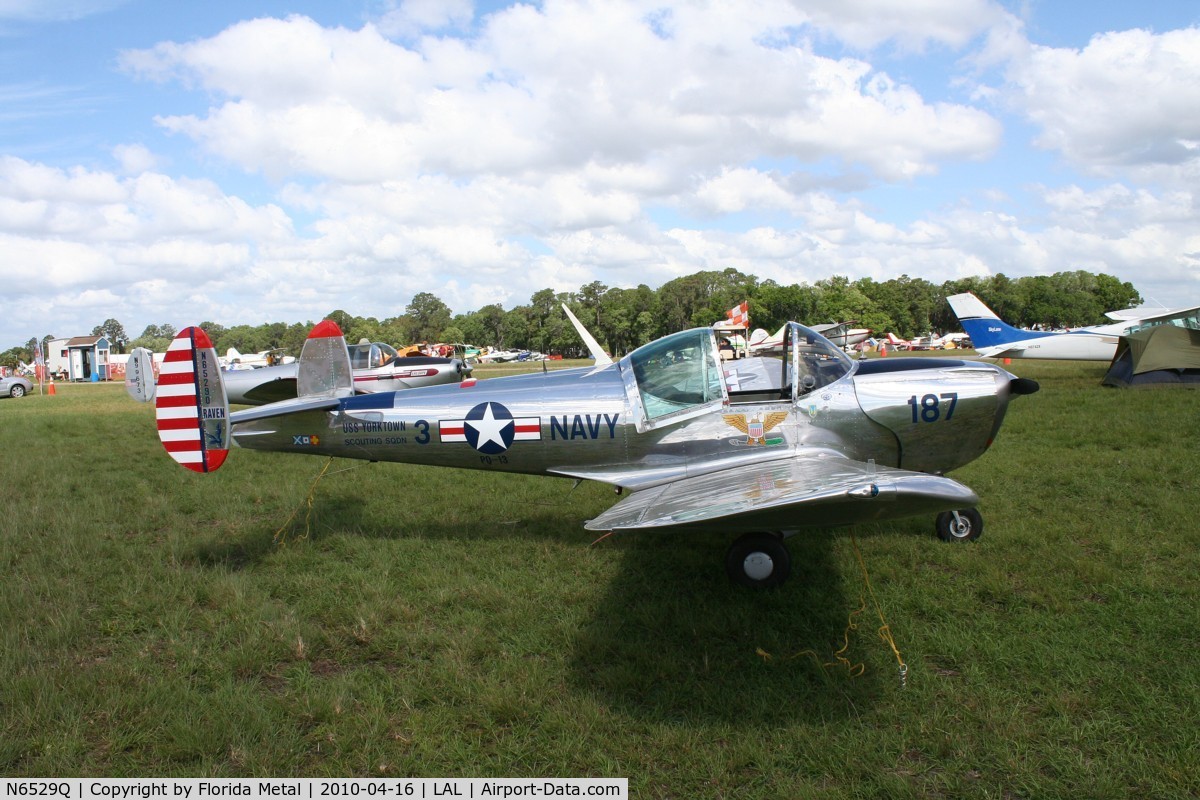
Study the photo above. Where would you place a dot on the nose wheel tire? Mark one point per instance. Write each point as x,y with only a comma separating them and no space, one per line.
964,525
758,561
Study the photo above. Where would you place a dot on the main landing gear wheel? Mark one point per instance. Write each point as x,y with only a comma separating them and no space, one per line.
964,525
758,561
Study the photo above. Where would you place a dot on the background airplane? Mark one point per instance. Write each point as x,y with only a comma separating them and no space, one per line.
840,333
994,338
933,341
806,438
490,356
376,368
234,360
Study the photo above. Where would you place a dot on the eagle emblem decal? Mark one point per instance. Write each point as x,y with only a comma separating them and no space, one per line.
757,427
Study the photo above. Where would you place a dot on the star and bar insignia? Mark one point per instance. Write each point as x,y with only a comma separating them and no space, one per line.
490,428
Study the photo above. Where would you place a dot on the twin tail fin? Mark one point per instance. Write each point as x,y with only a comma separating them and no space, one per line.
191,406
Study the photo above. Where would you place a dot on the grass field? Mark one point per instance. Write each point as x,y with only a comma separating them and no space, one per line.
441,623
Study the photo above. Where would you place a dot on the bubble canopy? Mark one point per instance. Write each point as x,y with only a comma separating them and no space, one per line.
683,372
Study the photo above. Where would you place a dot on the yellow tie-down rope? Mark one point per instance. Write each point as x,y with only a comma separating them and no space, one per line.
885,631
280,538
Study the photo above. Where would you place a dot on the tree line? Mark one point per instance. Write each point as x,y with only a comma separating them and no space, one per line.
623,319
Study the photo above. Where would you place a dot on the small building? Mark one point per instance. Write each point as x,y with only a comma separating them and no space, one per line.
80,358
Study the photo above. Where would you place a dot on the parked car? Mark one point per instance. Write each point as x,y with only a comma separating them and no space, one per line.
14,386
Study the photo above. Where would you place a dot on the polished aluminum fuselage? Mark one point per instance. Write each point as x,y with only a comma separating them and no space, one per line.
926,415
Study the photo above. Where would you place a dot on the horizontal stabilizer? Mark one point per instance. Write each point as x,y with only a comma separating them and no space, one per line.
803,492
293,405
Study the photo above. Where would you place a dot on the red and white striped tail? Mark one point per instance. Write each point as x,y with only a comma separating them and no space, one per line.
190,404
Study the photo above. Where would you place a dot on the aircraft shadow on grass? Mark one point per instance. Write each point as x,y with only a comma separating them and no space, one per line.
671,639
338,510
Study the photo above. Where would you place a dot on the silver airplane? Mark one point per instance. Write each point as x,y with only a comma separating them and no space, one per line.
762,447
377,368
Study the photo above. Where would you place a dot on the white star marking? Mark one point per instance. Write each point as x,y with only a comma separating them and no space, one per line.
489,428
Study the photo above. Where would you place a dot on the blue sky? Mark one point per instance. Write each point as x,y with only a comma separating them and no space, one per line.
261,161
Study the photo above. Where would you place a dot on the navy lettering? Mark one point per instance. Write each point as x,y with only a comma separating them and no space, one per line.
583,426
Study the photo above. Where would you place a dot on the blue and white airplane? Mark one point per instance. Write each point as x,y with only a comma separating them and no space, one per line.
994,338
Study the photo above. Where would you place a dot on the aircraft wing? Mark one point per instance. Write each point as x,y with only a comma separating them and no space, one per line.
1157,314
812,491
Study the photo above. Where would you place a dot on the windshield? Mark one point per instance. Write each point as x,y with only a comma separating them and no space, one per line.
366,355
677,373
818,361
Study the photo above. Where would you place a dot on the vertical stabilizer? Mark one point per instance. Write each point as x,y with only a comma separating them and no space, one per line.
968,306
325,363
139,375
190,408
983,326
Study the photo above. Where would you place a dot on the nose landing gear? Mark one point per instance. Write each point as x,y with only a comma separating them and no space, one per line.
964,525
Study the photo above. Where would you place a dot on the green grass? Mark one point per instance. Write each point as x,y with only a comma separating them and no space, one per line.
442,623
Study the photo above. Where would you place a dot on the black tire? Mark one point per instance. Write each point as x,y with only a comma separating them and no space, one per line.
17,391
758,561
967,528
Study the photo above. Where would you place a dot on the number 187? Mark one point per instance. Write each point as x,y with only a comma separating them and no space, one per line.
929,407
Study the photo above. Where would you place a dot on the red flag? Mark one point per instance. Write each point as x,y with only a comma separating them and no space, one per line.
39,363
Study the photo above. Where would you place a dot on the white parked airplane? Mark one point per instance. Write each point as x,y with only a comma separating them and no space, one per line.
840,333
994,338
264,358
